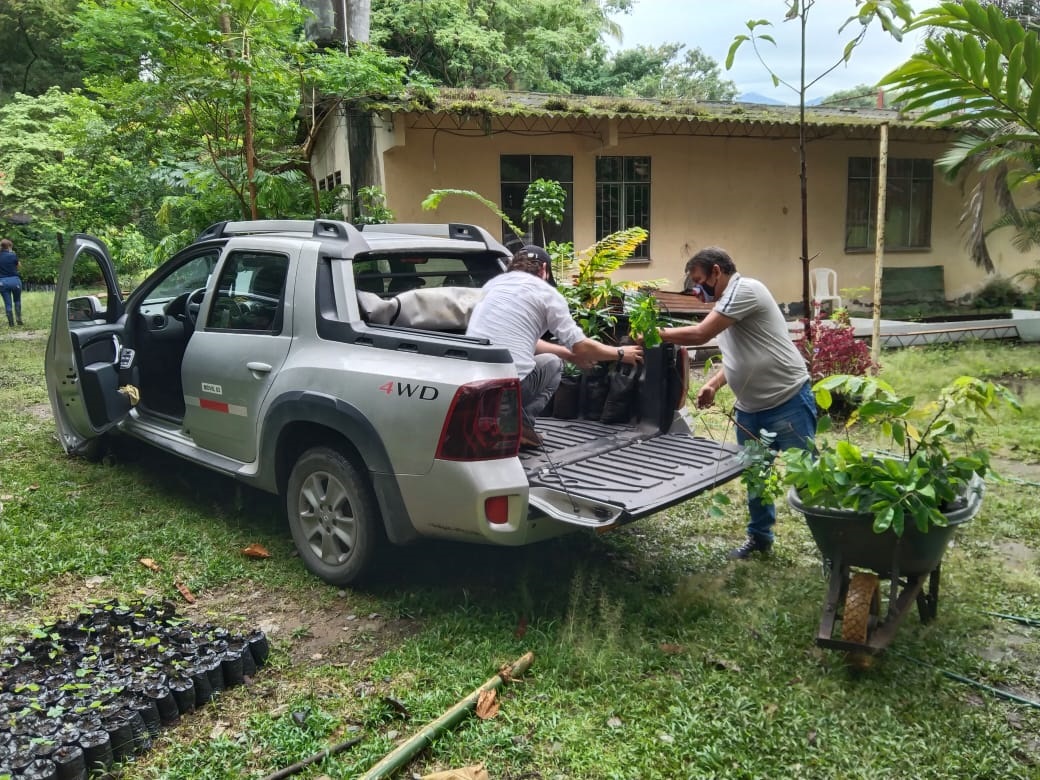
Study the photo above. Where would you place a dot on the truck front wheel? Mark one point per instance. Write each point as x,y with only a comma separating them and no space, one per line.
333,516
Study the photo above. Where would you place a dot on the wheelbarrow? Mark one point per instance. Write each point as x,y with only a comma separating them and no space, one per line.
859,560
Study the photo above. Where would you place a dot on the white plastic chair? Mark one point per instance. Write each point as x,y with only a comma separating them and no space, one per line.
825,287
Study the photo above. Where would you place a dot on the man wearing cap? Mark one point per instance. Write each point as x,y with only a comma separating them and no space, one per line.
517,309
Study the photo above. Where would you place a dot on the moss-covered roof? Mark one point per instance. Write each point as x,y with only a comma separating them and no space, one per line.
683,116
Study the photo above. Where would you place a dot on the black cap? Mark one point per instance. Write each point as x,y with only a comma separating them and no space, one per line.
534,252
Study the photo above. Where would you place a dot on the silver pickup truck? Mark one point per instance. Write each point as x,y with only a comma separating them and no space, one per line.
306,358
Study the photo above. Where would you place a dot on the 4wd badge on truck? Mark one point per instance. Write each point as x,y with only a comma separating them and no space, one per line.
423,392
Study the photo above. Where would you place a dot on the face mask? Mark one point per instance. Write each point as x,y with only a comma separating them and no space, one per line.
708,288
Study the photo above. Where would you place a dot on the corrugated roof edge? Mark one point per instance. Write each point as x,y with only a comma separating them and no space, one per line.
533,104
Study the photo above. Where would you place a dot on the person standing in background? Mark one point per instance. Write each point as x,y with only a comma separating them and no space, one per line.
10,282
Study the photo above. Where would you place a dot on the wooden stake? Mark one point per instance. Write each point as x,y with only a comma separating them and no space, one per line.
407,750
879,244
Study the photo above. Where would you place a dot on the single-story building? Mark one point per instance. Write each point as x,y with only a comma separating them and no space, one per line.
694,174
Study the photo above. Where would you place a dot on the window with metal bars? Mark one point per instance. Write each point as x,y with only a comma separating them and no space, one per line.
908,204
516,172
623,197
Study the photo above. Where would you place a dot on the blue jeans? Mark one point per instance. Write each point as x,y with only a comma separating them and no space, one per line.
11,292
794,423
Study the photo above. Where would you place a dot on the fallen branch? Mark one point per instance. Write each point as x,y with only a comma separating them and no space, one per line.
404,752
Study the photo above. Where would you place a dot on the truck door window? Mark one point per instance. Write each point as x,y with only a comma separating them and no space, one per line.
192,275
250,293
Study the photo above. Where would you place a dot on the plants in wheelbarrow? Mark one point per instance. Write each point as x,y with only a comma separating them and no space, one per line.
913,459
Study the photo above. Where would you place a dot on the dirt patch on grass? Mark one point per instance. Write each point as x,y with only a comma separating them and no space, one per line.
40,411
309,627
16,334
1017,556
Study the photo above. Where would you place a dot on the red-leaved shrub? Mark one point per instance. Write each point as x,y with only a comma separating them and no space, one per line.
832,347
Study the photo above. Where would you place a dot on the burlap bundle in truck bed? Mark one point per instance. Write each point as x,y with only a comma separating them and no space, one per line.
434,308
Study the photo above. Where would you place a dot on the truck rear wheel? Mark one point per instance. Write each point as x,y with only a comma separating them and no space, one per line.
333,516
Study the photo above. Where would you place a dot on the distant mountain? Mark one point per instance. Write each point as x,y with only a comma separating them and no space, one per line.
754,97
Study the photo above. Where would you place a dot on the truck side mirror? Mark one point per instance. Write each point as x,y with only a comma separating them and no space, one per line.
85,309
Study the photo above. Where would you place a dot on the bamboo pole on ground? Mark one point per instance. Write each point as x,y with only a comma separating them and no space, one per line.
407,750
321,755
879,245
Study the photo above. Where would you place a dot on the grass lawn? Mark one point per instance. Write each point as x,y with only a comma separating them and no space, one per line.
655,656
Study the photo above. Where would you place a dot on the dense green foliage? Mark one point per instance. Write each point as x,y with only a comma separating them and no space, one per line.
59,167
534,45
663,71
33,57
192,114
545,46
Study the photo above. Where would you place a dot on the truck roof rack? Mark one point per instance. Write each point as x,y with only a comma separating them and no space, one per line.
455,230
318,228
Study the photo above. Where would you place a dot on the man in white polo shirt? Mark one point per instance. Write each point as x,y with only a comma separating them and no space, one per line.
518,308
761,365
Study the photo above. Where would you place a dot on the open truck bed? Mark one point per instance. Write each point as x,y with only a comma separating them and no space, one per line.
635,468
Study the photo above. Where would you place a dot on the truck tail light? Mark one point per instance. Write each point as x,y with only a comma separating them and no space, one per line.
483,422
684,374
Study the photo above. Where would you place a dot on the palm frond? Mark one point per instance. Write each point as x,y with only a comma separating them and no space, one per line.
608,254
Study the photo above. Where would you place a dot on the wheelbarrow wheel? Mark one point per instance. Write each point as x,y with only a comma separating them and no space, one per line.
862,602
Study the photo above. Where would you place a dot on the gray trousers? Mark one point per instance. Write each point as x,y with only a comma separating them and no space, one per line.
538,387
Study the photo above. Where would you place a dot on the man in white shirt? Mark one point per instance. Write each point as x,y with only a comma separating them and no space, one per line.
518,308
761,365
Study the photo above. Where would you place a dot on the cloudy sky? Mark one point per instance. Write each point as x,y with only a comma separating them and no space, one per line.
711,25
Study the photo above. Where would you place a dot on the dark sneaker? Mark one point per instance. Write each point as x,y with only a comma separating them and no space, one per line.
753,544
529,438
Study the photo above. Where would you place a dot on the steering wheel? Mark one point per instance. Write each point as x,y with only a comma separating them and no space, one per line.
193,303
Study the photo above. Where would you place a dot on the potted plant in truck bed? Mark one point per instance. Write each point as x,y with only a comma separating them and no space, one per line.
888,500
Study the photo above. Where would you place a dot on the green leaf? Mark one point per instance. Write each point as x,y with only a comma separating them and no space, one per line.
994,71
997,24
733,50
1033,107
974,60
1031,60
883,519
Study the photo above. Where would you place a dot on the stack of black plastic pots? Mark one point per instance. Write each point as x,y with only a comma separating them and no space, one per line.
80,695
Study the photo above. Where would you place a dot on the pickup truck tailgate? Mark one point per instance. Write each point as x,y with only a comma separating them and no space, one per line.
600,476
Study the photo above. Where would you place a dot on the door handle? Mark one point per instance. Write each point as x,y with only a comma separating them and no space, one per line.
259,368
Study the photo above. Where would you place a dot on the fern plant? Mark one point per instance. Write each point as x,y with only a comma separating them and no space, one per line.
585,280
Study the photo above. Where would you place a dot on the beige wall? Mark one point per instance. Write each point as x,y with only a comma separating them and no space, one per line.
739,193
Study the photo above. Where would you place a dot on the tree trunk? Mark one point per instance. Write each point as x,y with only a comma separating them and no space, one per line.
359,20
803,181
247,141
